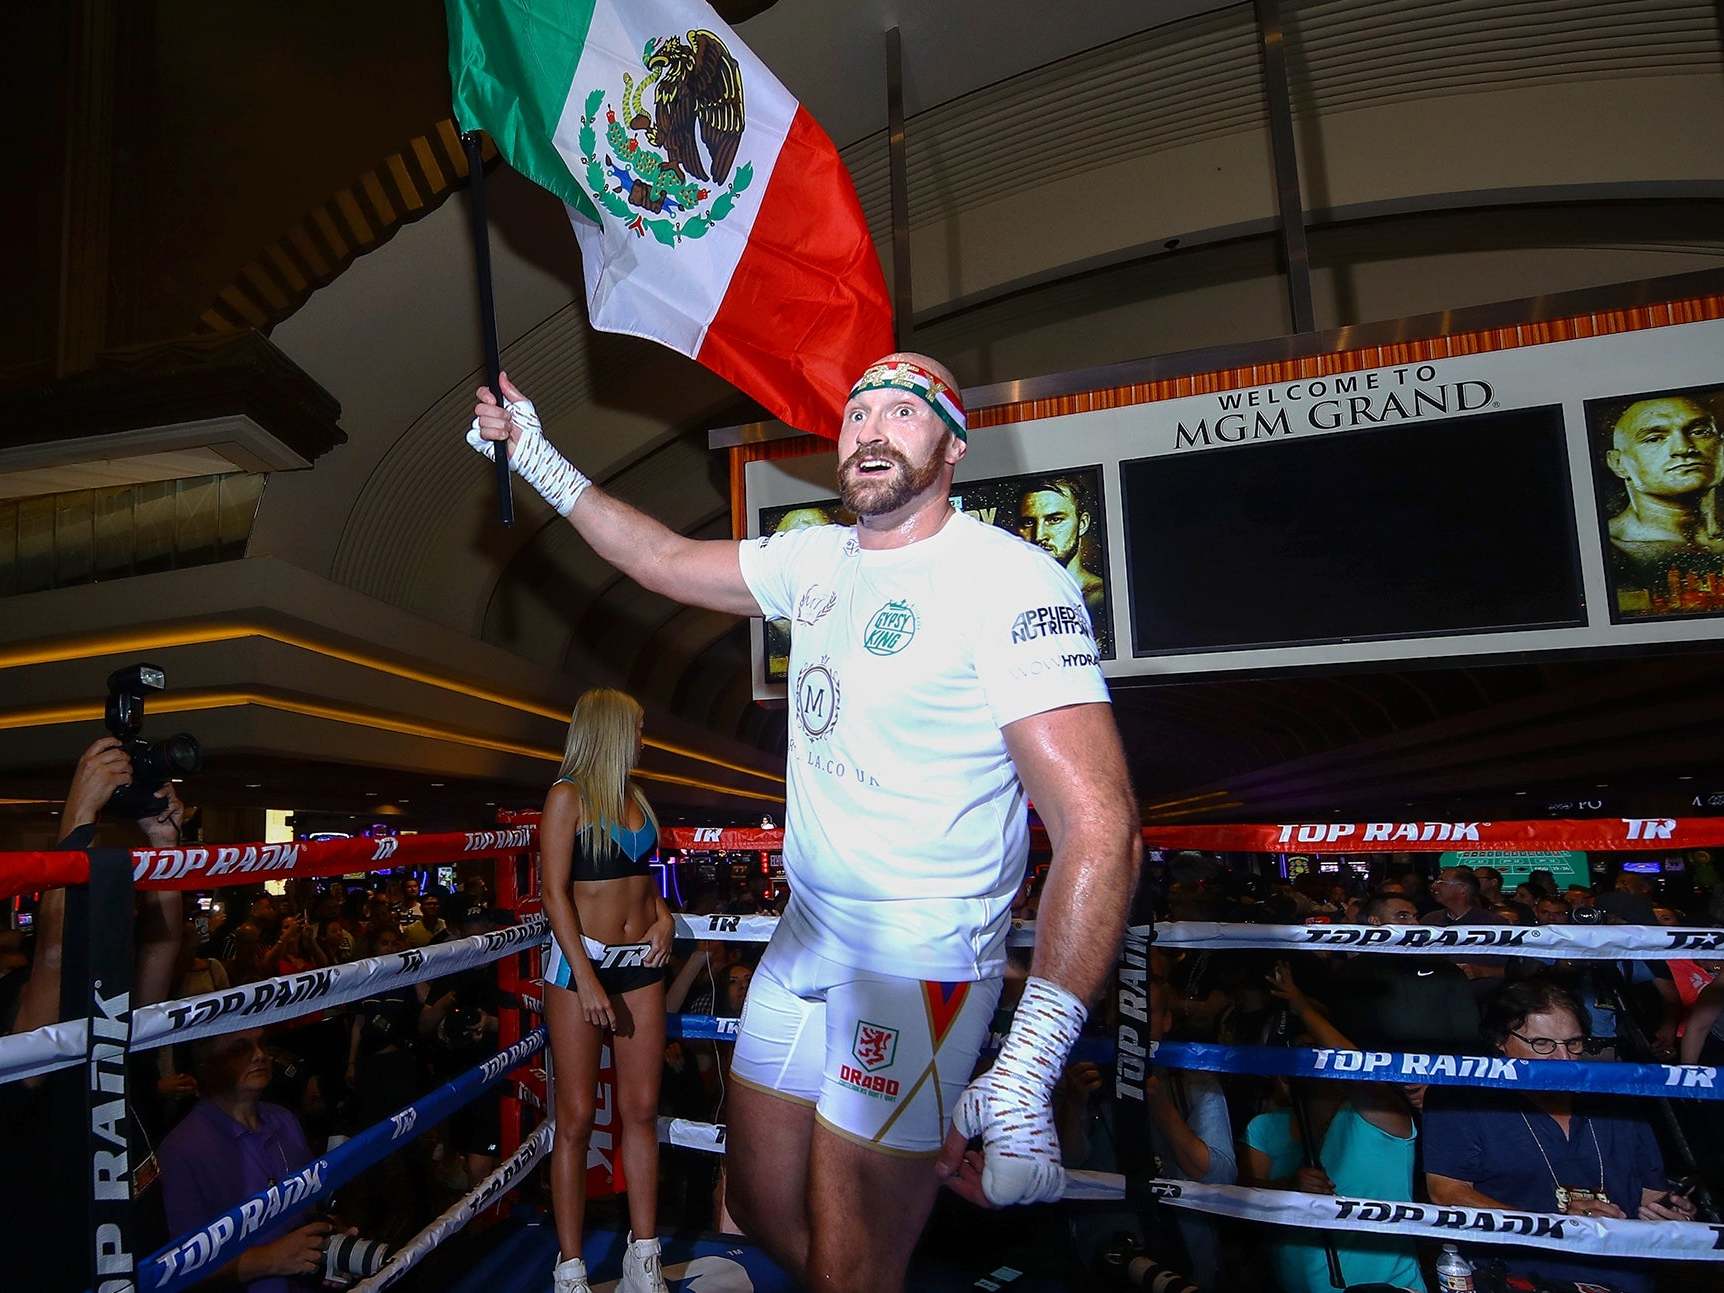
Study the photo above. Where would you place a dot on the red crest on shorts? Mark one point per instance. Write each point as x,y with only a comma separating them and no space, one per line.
875,1045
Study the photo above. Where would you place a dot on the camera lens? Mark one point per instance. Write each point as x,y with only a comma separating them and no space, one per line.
182,753
351,1257
178,756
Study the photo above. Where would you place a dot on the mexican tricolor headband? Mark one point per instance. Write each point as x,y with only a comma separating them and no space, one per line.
901,375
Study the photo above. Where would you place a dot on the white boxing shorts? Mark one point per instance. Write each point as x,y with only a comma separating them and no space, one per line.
882,1059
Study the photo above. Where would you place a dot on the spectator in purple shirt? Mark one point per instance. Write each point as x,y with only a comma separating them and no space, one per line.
228,1148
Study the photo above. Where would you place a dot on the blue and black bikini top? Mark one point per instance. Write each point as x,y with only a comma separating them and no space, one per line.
627,852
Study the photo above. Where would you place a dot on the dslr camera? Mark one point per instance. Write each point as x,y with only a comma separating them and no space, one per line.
153,765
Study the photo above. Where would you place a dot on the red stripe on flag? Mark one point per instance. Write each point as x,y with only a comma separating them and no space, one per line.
806,309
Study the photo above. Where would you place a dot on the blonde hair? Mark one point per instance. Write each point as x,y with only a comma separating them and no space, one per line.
598,756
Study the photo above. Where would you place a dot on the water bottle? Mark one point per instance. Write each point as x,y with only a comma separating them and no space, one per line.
1454,1272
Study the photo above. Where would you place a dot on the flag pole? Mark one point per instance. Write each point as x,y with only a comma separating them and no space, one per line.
470,140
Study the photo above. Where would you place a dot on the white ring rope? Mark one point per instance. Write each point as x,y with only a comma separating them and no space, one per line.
508,1174
1565,942
1683,1240
1560,942
61,1045
268,1001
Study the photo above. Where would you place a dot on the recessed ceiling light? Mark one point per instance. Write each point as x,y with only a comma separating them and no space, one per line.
1690,777
371,793
403,801
436,785
1520,792
254,785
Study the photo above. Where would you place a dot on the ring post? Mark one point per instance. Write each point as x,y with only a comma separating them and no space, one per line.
1133,1052
96,985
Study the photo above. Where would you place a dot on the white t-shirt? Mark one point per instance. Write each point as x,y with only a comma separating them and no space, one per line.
906,826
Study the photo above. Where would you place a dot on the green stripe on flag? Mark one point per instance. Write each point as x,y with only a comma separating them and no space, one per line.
511,63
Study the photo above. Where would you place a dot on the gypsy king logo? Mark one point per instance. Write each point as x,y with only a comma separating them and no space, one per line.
650,172
875,1045
891,629
817,698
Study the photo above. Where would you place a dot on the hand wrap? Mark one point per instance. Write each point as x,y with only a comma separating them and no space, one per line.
535,459
1011,1105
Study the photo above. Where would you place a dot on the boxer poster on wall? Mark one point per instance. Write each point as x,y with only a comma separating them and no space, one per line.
1656,470
1061,512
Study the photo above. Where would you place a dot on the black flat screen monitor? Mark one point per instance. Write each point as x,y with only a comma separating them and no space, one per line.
1464,525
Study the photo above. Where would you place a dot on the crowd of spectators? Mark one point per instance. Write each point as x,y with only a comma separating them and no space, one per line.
213,1122
1600,1156
232,1114
226,1116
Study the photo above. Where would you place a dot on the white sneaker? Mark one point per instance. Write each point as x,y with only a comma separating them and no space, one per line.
641,1268
570,1277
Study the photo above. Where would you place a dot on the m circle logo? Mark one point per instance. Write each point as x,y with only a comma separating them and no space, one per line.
891,629
817,699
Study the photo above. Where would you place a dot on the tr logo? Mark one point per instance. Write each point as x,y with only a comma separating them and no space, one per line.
385,848
708,834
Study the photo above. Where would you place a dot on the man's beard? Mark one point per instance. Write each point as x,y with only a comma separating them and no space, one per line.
877,496
1062,555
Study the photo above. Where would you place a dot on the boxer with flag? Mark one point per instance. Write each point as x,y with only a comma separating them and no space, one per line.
944,671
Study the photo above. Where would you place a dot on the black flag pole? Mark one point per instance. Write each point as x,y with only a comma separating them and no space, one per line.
470,140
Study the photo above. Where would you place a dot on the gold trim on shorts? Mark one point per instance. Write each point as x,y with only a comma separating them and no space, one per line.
875,1145
766,1090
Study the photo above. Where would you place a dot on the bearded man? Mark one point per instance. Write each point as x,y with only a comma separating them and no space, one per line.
953,679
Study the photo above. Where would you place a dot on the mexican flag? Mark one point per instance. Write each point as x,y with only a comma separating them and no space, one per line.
713,214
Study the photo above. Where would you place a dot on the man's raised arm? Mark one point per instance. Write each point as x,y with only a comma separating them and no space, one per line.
696,572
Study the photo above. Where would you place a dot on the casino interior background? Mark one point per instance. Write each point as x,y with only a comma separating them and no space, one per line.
243,340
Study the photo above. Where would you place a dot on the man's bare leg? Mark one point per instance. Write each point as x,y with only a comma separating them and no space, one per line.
766,1169
868,1207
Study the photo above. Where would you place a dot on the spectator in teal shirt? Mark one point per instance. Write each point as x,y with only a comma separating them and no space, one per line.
1367,1136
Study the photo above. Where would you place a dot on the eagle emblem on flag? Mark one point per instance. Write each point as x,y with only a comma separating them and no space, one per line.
875,1046
664,172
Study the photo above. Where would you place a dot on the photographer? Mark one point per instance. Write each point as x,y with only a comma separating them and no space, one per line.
104,768
231,1146
296,950
25,1106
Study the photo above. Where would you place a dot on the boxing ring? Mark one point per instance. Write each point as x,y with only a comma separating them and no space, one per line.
100,1029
